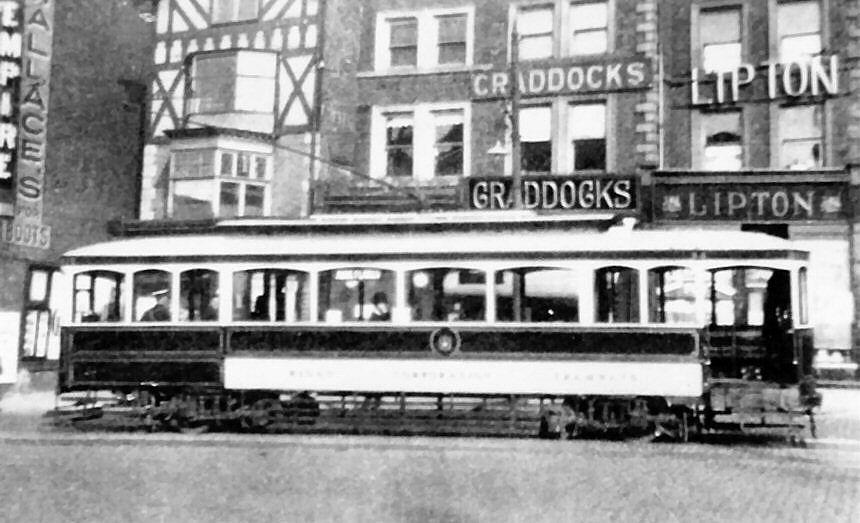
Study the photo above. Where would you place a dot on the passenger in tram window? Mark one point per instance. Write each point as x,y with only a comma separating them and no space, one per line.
455,311
381,310
210,312
161,310
261,308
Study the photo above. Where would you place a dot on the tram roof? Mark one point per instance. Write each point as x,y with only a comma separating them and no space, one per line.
614,242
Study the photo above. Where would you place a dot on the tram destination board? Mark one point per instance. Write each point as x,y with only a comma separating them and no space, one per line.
560,193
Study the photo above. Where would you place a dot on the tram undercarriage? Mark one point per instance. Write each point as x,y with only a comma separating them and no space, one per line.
547,417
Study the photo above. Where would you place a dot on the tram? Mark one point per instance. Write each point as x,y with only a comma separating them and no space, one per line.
549,331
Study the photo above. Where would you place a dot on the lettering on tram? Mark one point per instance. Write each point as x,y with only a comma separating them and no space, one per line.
632,331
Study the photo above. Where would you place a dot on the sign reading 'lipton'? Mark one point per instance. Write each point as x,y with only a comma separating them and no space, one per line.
588,193
566,77
756,202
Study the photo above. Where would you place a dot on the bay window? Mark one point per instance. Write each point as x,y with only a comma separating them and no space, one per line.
237,187
232,81
226,11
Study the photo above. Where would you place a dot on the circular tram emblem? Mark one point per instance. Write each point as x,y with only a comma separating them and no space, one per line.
444,341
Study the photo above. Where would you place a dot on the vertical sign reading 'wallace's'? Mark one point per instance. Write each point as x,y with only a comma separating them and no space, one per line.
35,20
11,30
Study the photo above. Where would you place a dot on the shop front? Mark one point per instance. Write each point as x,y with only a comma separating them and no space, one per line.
811,208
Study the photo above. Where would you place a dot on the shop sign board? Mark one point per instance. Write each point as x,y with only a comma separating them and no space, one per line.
566,77
11,37
561,193
750,202
35,78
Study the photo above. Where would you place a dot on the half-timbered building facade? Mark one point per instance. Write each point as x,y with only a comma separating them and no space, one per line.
233,109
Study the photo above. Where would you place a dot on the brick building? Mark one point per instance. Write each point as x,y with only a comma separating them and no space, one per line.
726,114
759,132
75,99
417,96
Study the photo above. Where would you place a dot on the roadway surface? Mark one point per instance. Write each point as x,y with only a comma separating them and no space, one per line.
229,477
48,475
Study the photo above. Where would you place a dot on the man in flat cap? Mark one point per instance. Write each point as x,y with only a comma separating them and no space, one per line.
161,310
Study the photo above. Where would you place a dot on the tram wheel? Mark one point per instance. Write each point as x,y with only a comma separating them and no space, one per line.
264,412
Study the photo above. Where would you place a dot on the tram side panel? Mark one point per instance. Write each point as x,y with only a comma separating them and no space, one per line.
549,361
127,359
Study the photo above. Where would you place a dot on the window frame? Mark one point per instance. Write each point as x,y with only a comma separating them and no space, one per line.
776,133
423,139
562,32
427,39
120,292
567,40
698,138
233,19
696,54
774,39
190,77
562,157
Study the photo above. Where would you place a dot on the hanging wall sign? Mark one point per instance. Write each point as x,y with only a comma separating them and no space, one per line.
27,228
11,37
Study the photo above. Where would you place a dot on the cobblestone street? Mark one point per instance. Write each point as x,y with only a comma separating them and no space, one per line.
118,477
68,476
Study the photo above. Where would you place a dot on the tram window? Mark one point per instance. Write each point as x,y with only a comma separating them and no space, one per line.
671,295
804,295
271,295
537,294
98,296
152,295
198,295
737,296
446,294
356,294
617,294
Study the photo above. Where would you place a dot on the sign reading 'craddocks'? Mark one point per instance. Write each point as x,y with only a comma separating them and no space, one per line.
566,77
588,193
755,202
